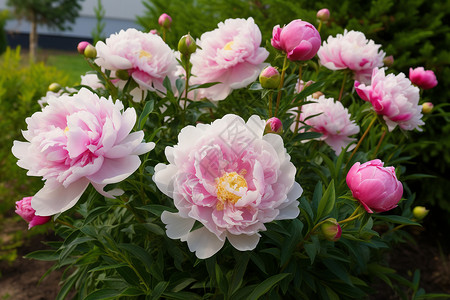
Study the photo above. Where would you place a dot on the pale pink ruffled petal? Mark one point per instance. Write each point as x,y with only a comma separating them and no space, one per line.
204,243
244,242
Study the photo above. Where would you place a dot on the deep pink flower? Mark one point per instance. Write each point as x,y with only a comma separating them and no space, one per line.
24,209
299,39
351,51
332,120
393,97
146,57
273,125
230,54
81,46
425,79
230,177
77,140
374,186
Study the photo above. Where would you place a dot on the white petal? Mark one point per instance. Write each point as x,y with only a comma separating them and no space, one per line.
256,125
116,170
53,199
164,176
143,148
127,123
244,242
112,194
204,243
289,209
176,227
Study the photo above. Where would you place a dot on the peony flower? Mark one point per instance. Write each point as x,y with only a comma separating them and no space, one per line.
77,140
273,125
374,186
425,79
394,98
270,78
299,40
165,21
323,14
229,177
230,54
332,120
351,51
91,80
146,57
24,209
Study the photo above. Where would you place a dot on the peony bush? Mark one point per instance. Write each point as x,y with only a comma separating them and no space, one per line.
213,173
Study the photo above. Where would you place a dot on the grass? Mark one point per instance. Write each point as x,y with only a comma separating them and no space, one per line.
71,63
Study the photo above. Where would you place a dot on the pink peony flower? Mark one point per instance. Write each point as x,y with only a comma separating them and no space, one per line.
77,140
393,97
230,54
270,78
323,14
91,80
332,120
231,178
165,21
374,186
425,79
146,57
273,125
351,51
299,39
24,209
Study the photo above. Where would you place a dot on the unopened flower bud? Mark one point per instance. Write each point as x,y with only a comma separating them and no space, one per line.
90,51
273,125
323,14
331,230
420,212
187,45
388,61
122,74
154,31
165,21
270,78
317,95
24,209
54,87
81,46
427,107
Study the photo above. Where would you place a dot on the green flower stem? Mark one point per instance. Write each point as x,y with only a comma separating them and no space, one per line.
364,135
280,87
297,119
65,223
343,84
320,26
353,216
112,87
270,103
379,143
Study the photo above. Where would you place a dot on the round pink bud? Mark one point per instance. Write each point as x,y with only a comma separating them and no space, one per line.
165,21
388,61
81,46
427,107
331,230
24,209
154,31
299,39
424,79
420,212
374,186
273,125
270,78
323,14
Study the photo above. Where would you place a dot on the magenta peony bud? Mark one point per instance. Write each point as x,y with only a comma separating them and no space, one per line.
388,61
273,125
54,87
331,230
24,209
81,46
374,186
425,79
420,212
187,45
154,31
427,107
323,14
165,21
270,78
90,51
299,39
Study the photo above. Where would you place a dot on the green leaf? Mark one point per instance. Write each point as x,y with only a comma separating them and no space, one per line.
107,267
295,235
221,280
159,289
395,219
156,209
327,201
238,272
139,253
68,283
168,85
180,84
266,285
181,296
132,291
95,213
202,86
45,255
148,108
255,86
103,294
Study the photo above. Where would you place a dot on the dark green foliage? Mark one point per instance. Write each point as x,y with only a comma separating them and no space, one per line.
4,16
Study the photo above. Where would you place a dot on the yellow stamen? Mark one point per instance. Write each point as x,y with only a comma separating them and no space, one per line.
227,187
66,129
144,53
228,46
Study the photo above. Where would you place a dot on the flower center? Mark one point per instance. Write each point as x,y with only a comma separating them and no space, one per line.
145,54
228,187
66,129
228,46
